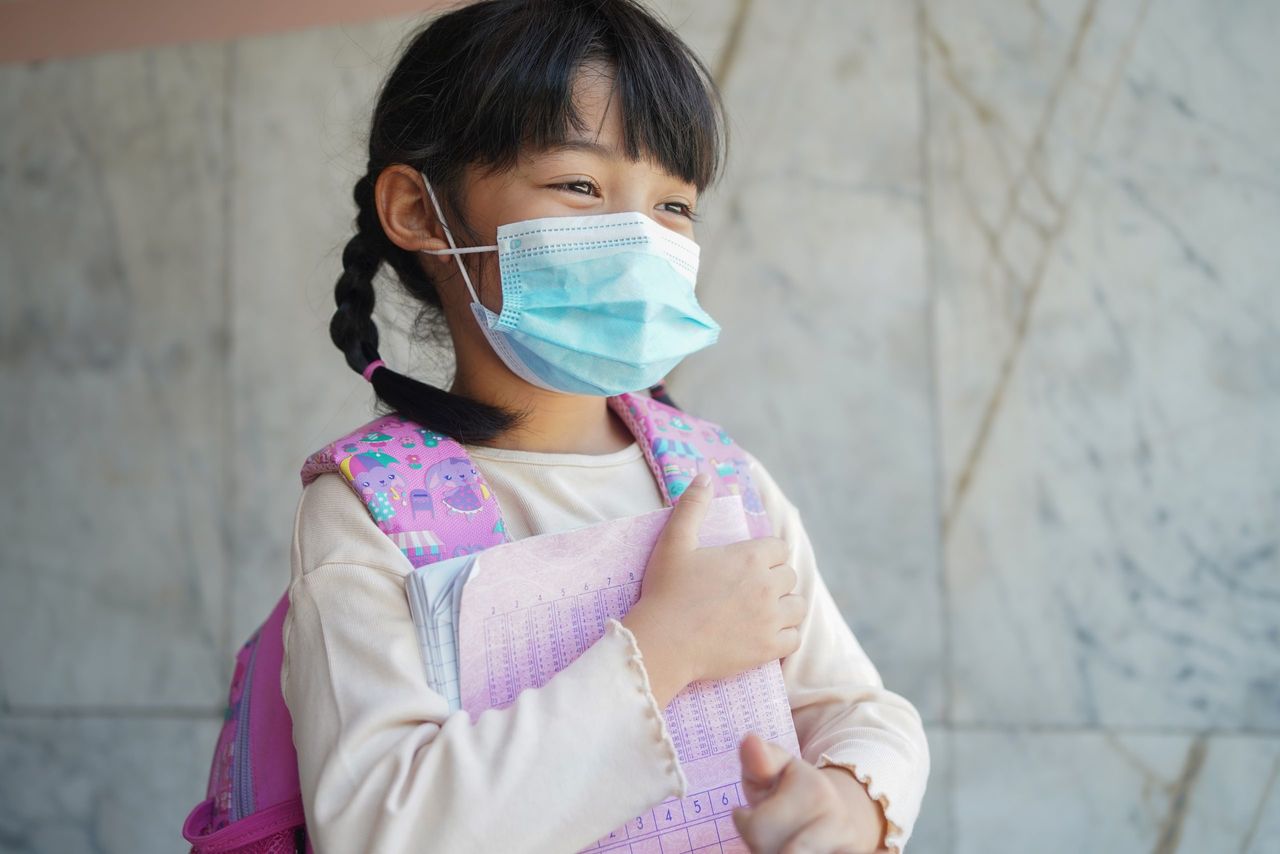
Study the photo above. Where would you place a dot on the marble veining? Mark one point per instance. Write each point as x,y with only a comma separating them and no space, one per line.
1008,268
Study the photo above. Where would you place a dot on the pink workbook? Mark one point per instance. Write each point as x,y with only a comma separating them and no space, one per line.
530,607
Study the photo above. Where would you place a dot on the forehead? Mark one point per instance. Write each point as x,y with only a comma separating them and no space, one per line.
595,96
601,133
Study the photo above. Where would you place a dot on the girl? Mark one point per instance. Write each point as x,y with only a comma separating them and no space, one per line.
508,111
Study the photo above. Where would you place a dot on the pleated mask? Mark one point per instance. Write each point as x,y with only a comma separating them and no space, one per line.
599,304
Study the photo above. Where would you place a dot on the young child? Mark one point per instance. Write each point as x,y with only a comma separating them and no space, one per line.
515,111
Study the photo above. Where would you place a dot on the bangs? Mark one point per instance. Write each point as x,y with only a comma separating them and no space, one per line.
517,63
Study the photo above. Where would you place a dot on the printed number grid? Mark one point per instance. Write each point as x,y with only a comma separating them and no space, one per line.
698,824
526,647
444,665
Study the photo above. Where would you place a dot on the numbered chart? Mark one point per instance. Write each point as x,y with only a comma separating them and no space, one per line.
525,647
698,824
530,608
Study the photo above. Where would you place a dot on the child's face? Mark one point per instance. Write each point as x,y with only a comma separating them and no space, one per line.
590,174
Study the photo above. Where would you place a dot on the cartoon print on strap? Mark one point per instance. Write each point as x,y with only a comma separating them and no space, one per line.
420,487
425,493
678,446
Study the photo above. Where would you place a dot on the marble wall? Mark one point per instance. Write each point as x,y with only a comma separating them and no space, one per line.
999,276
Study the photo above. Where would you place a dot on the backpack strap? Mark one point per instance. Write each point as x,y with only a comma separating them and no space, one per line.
678,446
426,495
420,487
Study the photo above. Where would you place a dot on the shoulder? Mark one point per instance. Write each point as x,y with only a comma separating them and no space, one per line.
787,525
333,525
782,513
684,442
365,488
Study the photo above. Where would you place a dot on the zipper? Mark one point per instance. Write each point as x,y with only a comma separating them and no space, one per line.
242,797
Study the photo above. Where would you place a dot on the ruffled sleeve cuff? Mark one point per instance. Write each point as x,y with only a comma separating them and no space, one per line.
658,734
892,780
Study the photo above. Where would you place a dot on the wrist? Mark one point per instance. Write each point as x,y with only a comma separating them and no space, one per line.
865,813
664,663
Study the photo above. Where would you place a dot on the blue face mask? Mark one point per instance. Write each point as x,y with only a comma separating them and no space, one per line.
600,304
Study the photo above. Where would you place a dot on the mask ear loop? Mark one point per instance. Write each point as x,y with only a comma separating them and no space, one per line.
453,250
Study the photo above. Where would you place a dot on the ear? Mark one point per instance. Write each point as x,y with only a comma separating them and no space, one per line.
406,213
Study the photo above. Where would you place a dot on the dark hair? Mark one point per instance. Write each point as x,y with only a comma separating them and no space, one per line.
480,85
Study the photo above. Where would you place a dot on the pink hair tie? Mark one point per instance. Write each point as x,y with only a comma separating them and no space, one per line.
368,371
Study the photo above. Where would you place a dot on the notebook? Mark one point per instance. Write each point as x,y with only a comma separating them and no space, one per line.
435,596
496,622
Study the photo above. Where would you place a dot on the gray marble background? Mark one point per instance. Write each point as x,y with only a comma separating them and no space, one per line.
1002,277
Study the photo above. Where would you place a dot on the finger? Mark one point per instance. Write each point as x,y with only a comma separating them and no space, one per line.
760,832
766,825
797,778
799,787
820,834
760,765
788,641
759,790
776,549
681,530
782,579
742,821
780,754
793,609
795,802
771,550
754,789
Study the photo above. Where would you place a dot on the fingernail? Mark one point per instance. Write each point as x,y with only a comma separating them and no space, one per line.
702,479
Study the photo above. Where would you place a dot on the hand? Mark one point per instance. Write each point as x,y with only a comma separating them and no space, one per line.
721,609
795,808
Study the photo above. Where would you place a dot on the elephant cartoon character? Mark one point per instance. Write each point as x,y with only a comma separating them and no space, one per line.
463,489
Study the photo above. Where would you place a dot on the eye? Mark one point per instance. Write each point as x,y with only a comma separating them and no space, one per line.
687,211
592,189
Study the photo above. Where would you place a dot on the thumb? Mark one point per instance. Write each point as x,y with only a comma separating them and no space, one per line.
681,530
762,762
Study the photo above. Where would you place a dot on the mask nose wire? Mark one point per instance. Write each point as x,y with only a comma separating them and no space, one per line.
454,250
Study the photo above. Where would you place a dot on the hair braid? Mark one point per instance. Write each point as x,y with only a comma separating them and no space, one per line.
355,333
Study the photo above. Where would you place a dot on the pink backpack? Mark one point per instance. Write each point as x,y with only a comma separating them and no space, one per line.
424,493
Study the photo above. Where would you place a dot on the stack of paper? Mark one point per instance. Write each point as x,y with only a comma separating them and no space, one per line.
435,597
497,622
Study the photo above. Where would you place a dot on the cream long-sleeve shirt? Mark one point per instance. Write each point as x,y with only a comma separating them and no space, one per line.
386,767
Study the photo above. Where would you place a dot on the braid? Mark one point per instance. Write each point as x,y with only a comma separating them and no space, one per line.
352,328
355,333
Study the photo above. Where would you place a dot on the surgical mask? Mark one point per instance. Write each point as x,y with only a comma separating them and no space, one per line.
600,304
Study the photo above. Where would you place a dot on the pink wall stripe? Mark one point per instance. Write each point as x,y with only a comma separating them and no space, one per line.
46,29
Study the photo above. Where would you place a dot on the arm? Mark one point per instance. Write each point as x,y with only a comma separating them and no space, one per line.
843,714
383,764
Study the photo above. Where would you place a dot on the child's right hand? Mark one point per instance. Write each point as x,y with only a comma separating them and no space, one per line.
710,613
